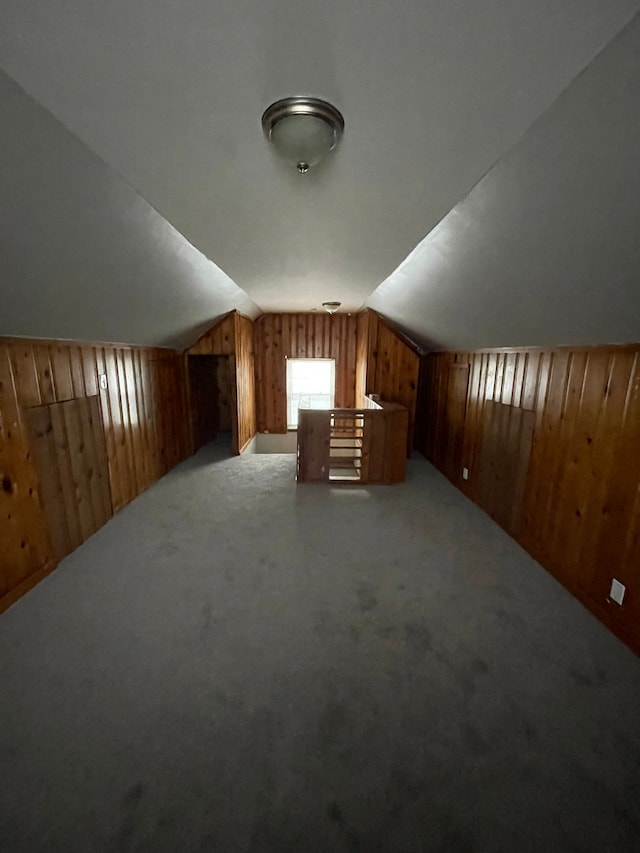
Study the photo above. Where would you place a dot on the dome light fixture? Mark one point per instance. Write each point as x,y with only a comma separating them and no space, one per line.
331,307
303,130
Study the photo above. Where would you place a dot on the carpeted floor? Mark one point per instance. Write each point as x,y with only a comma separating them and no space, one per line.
237,663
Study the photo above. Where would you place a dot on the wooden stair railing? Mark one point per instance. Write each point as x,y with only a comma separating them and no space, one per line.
357,446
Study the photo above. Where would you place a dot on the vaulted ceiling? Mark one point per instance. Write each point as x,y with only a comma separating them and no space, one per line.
485,192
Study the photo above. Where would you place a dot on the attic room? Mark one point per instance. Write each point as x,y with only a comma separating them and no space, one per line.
198,649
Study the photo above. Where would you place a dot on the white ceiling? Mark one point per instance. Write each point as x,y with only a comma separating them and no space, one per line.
545,250
169,96
82,256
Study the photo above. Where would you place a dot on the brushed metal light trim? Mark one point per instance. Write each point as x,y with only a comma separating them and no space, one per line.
303,105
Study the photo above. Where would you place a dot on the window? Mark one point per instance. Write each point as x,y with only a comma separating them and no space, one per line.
310,385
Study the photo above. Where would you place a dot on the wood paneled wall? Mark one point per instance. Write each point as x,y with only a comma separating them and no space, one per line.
245,381
580,501
363,348
388,365
68,448
232,336
219,340
312,335
142,411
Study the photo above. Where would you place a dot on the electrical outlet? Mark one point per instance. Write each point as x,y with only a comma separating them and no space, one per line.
103,381
465,473
617,591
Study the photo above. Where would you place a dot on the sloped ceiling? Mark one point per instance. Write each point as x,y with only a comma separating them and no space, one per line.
83,256
150,160
545,249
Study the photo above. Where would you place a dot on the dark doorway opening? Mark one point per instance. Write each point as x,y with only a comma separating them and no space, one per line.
212,394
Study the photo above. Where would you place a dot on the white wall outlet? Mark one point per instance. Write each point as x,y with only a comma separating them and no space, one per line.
617,591
103,381
465,473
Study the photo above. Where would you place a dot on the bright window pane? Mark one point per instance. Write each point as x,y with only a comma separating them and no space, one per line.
310,385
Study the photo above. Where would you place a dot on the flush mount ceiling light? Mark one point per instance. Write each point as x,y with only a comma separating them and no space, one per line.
331,307
302,130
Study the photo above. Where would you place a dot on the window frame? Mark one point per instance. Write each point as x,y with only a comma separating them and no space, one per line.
288,379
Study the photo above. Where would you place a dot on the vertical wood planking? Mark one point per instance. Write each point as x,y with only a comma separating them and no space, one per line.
146,389
89,371
135,426
602,441
393,368
396,419
26,544
72,468
245,379
81,470
121,494
373,446
50,482
62,460
44,371
25,375
503,461
233,404
108,427
123,423
141,421
362,356
372,346
457,386
312,335
219,339
60,360
232,336
618,542
580,513
313,446
98,470
76,371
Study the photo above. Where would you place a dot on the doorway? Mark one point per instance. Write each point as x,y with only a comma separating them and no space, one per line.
212,396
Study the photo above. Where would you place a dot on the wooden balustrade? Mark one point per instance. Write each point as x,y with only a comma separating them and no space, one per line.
355,446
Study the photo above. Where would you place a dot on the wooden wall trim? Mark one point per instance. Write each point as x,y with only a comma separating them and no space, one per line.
580,515
17,339
626,347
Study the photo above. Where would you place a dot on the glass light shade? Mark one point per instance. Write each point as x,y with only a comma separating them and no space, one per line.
303,139
302,129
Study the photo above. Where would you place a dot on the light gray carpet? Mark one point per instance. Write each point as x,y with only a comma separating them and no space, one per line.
237,663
